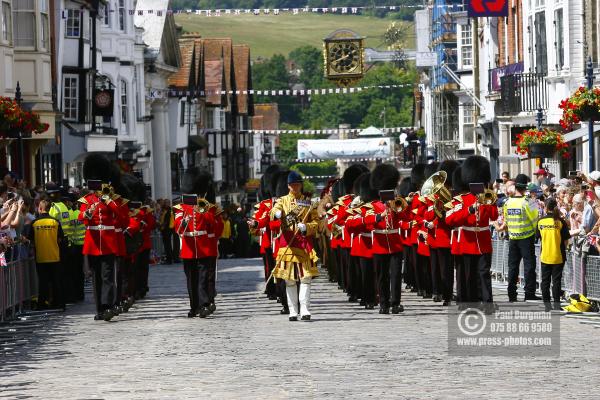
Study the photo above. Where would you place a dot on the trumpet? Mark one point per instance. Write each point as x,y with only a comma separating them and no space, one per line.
399,204
488,197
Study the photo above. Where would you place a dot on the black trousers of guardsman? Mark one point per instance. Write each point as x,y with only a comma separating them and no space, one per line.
388,269
103,268
196,273
77,275
478,277
367,274
269,263
521,249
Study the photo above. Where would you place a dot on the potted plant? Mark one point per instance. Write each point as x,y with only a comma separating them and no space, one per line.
541,143
583,105
13,119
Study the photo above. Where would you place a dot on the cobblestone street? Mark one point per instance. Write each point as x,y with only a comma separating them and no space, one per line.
247,350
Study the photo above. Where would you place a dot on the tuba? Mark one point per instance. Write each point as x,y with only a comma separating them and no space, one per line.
488,197
399,204
434,189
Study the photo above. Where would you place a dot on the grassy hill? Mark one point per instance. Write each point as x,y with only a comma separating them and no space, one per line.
268,34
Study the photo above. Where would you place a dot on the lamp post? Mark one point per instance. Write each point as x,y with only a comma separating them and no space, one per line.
590,84
19,100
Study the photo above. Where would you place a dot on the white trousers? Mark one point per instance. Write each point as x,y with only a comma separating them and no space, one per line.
292,297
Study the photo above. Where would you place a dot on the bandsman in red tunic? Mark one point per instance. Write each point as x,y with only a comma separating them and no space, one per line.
197,223
362,240
100,215
259,225
384,222
472,219
349,265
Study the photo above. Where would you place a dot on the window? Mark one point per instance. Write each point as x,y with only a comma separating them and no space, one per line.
122,15
24,23
45,28
73,29
123,102
182,120
106,15
466,50
136,88
6,22
559,39
468,125
70,97
541,58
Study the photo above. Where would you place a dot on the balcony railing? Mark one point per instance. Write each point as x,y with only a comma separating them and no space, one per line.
523,92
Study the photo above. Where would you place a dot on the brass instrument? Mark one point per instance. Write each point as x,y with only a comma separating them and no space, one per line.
203,204
434,188
399,204
488,197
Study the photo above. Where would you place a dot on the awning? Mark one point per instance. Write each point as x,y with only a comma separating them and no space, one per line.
580,133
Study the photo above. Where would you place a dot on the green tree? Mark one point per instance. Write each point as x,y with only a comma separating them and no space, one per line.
309,60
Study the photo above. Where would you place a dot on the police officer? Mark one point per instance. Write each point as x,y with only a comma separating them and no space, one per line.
61,212
76,256
521,216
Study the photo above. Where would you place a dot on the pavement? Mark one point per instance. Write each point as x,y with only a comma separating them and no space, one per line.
246,350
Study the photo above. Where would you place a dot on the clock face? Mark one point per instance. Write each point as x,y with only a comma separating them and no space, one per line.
103,100
344,57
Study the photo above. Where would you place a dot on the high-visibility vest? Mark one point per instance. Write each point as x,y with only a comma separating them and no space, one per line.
62,214
78,229
520,217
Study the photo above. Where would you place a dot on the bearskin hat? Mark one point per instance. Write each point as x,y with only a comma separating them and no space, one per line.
135,187
406,187
281,185
362,187
350,175
196,181
267,186
385,177
448,166
417,176
337,190
98,166
476,169
457,183
431,169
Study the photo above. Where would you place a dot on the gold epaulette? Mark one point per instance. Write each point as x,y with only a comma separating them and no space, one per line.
82,200
178,207
257,206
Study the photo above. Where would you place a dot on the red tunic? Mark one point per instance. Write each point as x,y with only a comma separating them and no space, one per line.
101,221
342,215
387,232
194,229
423,210
120,227
362,242
335,241
261,216
148,222
474,235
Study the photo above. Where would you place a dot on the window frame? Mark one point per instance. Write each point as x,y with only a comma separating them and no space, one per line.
106,15
67,114
122,14
15,11
466,46
6,28
70,24
559,44
44,25
123,98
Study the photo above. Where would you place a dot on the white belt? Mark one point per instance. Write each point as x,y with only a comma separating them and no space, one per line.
100,228
368,235
195,233
118,230
387,231
211,235
471,229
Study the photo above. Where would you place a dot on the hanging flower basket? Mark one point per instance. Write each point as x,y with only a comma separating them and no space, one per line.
583,105
544,143
15,120
542,150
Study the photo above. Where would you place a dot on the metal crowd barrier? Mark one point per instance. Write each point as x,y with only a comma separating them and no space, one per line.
18,282
581,273
158,249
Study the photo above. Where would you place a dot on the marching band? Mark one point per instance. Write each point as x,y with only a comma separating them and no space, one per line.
368,229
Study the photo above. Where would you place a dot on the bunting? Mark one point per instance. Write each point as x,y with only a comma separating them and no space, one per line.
398,129
278,11
272,92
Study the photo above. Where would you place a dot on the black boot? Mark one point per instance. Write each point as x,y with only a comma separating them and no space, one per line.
397,309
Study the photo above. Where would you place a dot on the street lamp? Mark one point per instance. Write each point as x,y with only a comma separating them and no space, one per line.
590,84
19,100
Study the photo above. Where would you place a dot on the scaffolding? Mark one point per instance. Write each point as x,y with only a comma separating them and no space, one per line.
445,125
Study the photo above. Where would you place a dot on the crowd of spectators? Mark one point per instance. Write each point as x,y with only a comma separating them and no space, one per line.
577,196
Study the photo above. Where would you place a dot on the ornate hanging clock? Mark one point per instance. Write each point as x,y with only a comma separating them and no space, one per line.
343,54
